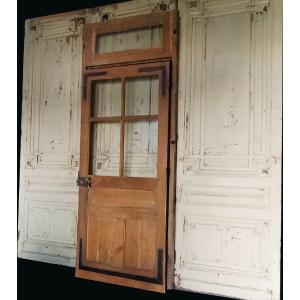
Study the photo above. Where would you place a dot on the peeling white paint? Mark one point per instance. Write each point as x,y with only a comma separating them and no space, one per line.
227,209
229,145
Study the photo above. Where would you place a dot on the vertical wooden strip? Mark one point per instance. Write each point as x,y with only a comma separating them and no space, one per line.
162,165
91,241
148,259
132,244
122,129
173,154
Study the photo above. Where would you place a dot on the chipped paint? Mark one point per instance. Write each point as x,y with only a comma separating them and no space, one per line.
51,129
225,165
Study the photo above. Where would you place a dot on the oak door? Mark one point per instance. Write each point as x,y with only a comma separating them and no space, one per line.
123,176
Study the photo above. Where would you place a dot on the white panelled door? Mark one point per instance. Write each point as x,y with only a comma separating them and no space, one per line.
50,140
229,149
52,91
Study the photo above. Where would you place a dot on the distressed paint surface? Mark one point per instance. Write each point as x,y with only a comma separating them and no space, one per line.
228,189
51,127
50,141
228,182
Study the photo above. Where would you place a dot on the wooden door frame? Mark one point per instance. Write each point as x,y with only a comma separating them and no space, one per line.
164,20
94,64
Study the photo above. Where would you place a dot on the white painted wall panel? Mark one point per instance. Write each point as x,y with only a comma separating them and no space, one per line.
48,195
50,141
228,170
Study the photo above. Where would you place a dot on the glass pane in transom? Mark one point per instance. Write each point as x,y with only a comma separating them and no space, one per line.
144,38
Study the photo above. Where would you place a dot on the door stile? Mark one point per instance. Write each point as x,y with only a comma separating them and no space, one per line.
163,166
122,129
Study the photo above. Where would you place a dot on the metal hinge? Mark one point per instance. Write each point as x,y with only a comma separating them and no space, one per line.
84,181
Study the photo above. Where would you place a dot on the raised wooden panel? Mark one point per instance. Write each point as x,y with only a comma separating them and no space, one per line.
115,197
39,223
226,86
238,245
198,234
104,249
228,177
54,125
52,222
227,110
226,196
140,252
247,238
56,93
131,251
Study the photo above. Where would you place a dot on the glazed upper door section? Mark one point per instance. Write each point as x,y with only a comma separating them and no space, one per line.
137,118
123,175
134,39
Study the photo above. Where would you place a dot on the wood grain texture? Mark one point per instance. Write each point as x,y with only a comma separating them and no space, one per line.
135,206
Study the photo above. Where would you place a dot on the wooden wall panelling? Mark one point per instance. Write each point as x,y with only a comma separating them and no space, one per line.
50,140
50,136
128,9
173,155
229,155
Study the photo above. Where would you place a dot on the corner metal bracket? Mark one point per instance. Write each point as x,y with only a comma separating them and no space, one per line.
158,279
84,181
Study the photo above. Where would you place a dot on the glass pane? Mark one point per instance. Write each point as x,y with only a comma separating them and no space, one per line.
105,149
106,98
141,96
140,149
131,39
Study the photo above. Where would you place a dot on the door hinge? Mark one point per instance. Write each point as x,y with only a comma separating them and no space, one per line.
84,181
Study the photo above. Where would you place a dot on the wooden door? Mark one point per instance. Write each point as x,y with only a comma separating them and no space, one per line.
123,176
